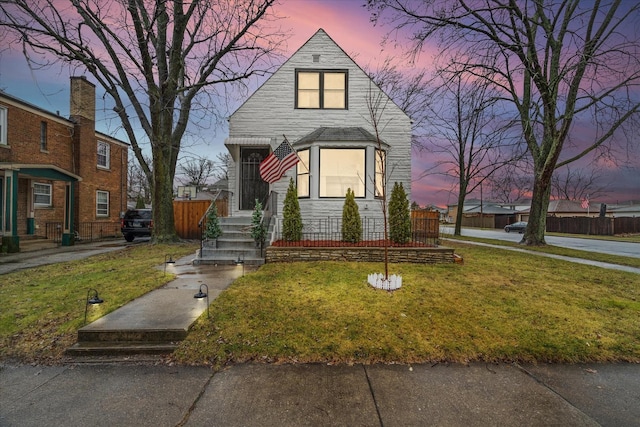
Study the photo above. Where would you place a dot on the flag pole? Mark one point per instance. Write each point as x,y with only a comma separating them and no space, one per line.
292,149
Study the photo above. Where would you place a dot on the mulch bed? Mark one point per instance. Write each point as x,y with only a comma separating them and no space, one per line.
339,244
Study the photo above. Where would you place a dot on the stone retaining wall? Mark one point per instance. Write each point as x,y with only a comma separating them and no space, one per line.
414,255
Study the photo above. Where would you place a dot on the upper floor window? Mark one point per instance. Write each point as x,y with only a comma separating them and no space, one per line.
42,194
43,136
340,169
303,173
3,126
104,151
321,89
102,203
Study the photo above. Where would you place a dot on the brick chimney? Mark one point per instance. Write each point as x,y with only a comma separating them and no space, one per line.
83,98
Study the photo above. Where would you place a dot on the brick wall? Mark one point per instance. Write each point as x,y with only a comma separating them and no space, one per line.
71,146
396,255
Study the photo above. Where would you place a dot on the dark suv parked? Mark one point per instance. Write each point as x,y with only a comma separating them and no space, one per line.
136,223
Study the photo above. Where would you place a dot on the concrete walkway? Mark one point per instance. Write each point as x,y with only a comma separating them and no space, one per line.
155,394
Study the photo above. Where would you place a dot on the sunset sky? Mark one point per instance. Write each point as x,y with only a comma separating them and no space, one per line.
348,23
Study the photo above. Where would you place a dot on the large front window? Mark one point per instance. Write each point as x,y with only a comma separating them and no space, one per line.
321,89
303,173
340,169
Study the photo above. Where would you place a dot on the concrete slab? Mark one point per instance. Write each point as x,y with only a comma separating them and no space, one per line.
286,395
609,393
99,395
474,395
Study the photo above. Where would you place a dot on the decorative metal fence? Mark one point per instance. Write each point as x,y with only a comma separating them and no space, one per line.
86,232
327,232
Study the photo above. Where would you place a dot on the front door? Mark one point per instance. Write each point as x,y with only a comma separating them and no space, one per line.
252,187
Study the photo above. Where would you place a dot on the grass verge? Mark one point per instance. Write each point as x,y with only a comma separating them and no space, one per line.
498,305
42,308
557,250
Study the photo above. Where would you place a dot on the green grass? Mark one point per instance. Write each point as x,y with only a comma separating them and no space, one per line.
557,250
498,305
42,308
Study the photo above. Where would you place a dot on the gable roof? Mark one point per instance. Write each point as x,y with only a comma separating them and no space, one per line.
320,33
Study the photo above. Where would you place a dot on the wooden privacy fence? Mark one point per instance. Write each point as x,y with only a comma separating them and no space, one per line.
187,213
425,224
593,226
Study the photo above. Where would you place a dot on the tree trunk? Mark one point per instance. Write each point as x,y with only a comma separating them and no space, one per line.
164,230
461,197
537,225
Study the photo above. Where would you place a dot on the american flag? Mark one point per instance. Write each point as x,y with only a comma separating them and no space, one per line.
277,163
585,203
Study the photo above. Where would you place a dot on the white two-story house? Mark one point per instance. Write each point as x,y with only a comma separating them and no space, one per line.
320,100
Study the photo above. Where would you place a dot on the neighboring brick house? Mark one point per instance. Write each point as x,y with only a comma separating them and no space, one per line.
319,100
59,177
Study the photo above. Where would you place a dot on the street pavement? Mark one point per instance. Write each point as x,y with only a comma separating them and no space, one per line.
138,392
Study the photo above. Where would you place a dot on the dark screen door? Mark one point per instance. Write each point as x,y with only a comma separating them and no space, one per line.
252,186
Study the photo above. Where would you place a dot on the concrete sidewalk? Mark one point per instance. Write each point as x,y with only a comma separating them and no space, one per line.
321,395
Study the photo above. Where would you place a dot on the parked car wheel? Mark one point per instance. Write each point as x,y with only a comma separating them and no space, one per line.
129,237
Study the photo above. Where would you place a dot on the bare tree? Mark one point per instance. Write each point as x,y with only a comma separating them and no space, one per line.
576,184
137,183
156,59
469,140
223,160
196,172
510,184
555,61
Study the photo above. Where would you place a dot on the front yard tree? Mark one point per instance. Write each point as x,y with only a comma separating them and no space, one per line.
291,217
156,59
469,138
556,62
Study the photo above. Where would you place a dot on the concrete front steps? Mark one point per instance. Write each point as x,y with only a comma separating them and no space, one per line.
126,342
233,245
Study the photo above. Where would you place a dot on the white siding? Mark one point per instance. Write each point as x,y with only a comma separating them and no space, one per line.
270,112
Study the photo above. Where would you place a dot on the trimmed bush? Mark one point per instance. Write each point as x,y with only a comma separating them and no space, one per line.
399,215
351,224
291,218
258,230
213,230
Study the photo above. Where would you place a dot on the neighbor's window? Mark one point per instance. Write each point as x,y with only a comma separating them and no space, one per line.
102,203
321,89
303,173
3,126
42,194
381,161
103,155
340,169
43,136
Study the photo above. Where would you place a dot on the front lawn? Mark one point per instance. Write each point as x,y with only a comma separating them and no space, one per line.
42,308
498,305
